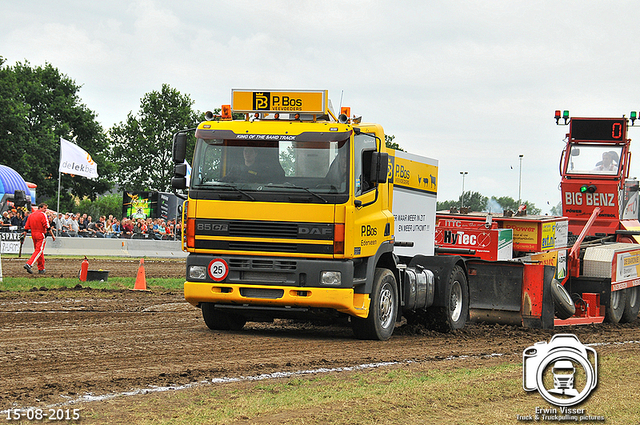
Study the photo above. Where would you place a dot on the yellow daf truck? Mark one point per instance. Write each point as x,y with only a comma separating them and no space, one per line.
297,212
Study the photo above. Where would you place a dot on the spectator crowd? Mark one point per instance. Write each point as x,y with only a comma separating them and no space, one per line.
75,225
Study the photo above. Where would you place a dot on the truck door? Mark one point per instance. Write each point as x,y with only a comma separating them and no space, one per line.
369,220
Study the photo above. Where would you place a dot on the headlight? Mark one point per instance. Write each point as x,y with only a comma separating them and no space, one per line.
331,278
198,272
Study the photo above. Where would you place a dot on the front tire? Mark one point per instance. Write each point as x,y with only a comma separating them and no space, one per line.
631,305
383,309
218,320
615,309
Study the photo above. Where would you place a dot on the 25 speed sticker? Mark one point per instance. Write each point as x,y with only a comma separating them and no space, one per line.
43,414
218,269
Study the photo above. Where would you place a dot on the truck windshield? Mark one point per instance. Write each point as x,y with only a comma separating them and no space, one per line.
594,159
318,166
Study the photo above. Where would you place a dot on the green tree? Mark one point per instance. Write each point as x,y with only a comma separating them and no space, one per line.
508,203
142,146
388,141
472,200
447,205
39,106
557,210
106,205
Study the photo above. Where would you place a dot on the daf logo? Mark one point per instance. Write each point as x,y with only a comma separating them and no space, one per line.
315,231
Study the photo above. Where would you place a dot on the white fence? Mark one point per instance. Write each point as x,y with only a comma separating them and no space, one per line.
100,247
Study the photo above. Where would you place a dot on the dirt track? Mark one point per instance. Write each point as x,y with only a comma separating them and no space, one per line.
69,267
57,346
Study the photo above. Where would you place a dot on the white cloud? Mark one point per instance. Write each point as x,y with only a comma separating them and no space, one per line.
472,83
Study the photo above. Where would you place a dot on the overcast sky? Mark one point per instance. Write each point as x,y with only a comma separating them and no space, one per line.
473,84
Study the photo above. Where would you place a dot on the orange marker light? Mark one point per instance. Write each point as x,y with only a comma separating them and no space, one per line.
226,112
338,238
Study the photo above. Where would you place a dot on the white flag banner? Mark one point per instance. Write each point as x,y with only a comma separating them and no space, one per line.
75,160
188,176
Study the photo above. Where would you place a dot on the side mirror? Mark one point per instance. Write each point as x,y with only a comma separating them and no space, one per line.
575,152
180,170
379,167
179,181
179,148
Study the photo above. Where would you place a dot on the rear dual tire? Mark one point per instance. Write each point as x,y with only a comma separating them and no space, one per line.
455,313
631,305
615,310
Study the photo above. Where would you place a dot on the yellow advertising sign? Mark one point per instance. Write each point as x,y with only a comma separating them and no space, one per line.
412,174
628,265
303,101
557,259
525,235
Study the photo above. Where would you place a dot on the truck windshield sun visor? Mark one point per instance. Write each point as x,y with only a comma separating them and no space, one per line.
264,164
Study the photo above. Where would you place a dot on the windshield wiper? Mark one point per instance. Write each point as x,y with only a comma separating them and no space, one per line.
290,185
235,188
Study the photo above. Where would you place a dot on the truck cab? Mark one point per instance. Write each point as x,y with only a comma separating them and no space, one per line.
273,201
594,167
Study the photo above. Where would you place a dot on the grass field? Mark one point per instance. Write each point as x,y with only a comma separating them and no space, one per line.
488,392
26,283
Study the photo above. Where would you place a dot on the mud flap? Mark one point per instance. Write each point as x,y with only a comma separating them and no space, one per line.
538,310
510,292
495,291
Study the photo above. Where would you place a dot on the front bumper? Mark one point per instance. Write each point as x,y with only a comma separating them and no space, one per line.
343,300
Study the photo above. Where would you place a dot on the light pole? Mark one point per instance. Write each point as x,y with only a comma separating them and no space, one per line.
520,182
464,173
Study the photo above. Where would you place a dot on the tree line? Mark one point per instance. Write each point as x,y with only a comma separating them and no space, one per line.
475,201
40,105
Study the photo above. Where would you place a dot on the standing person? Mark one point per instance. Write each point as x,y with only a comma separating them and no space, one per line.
38,223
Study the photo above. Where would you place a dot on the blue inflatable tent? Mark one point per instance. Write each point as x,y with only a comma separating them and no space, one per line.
10,181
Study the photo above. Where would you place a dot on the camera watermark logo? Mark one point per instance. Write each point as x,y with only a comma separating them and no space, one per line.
563,371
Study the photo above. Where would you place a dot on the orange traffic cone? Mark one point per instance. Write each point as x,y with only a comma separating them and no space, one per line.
141,280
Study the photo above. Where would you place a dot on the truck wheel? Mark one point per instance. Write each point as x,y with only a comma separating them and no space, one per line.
382,311
455,314
564,305
615,309
236,321
632,305
218,320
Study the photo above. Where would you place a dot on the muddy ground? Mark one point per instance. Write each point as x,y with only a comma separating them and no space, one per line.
58,346
69,267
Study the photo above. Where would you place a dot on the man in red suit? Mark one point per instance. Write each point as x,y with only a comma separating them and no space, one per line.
38,223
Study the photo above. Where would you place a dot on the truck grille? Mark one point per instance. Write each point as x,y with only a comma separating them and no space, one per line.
263,229
274,236
261,264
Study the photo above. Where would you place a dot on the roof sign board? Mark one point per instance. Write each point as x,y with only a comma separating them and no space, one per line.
291,101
